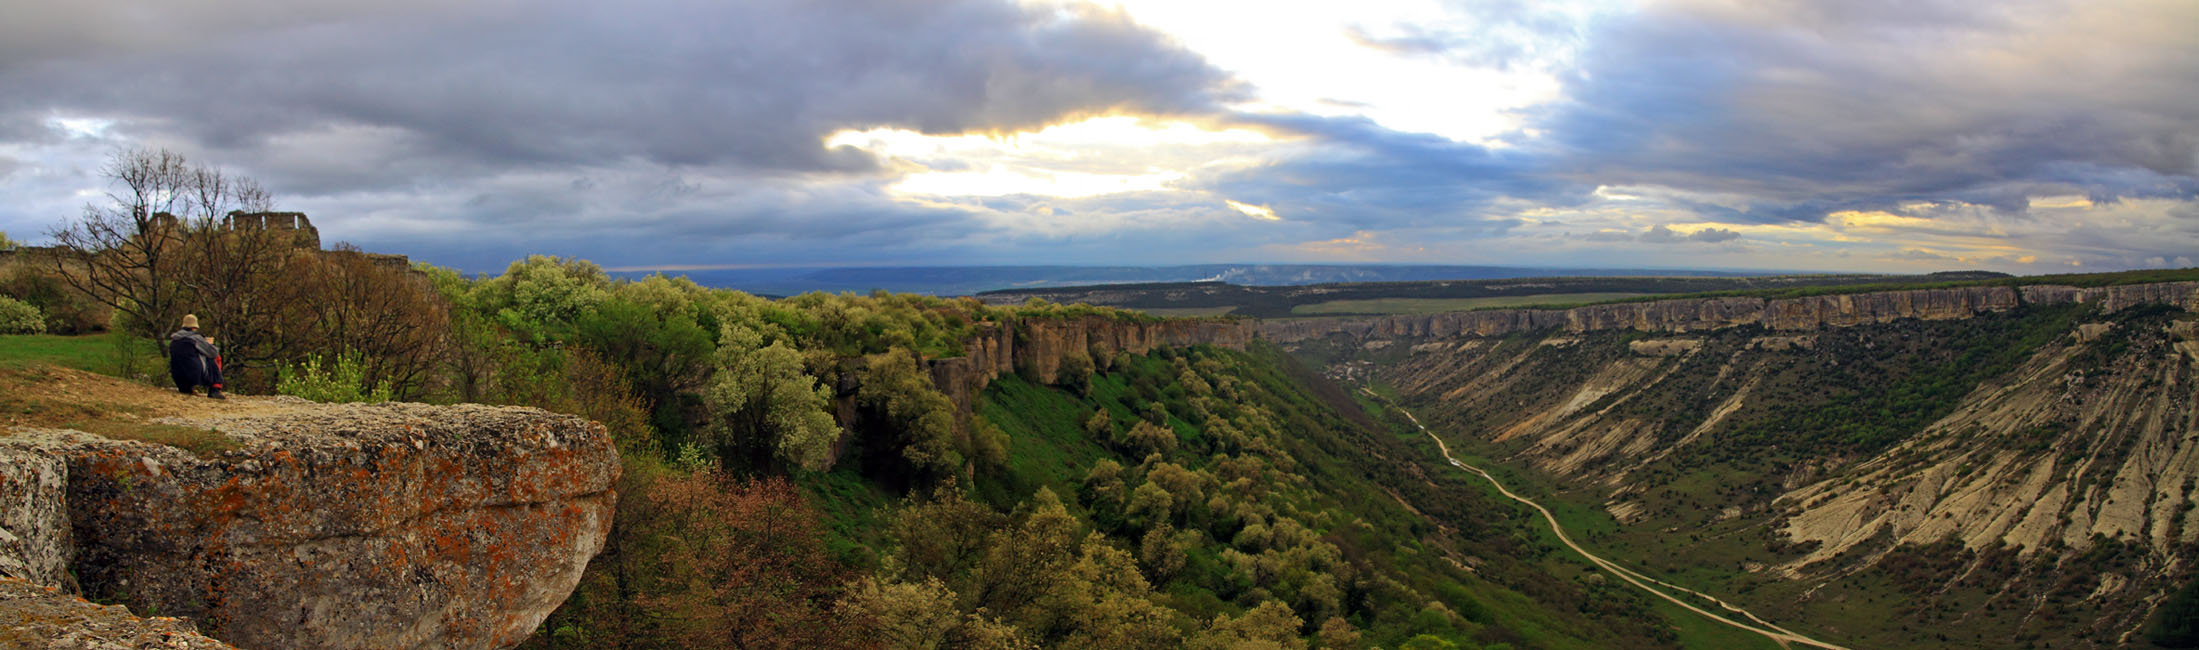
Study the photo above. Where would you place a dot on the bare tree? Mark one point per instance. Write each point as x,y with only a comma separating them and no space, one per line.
236,272
160,247
346,301
124,254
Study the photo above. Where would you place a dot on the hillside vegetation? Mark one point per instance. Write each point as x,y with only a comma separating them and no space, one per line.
795,477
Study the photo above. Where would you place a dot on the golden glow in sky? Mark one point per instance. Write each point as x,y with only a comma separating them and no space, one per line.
1093,157
1301,56
1254,211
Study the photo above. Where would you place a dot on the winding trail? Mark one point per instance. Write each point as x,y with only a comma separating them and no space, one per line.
1782,636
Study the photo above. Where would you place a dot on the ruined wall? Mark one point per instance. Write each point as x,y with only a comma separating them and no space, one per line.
302,230
1699,314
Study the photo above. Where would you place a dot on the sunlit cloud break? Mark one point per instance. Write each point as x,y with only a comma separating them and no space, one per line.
1254,211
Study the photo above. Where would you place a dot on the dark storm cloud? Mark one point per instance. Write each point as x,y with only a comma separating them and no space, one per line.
480,226
1812,107
470,132
752,85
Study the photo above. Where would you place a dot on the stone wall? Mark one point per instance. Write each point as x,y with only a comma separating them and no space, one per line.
305,235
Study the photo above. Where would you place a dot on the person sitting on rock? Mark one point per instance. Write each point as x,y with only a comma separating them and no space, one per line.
191,360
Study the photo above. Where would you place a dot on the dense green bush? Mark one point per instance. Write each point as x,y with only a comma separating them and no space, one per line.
18,317
343,380
2176,623
67,310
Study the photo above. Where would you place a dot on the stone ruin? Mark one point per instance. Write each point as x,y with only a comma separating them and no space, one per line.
307,236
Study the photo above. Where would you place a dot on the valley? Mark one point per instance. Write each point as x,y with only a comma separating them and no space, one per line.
1647,584
1932,473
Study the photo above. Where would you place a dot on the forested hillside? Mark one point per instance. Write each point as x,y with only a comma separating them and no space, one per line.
796,480
833,471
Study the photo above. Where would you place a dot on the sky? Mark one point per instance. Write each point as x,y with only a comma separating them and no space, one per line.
1842,135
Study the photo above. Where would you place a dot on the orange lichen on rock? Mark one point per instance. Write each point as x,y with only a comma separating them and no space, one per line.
37,616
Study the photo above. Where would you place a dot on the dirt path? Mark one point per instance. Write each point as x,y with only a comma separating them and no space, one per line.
1780,635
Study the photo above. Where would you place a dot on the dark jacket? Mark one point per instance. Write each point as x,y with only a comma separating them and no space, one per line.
191,359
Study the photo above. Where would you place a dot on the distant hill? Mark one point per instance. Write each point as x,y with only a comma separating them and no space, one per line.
969,280
1372,298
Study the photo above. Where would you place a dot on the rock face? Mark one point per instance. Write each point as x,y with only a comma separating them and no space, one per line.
2180,294
34,529
335,526
1039,346
33,616
1701,314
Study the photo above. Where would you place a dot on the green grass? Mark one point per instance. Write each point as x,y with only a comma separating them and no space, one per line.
1585,522
1699,633
108,353
1046,442
1435,305
853,509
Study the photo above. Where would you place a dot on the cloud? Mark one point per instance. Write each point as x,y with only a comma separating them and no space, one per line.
753,85
1351,174
1661,234
1918,255
1498,34
1809,108
573,117
688,131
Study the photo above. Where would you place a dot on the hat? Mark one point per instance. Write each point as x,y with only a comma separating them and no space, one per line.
190,321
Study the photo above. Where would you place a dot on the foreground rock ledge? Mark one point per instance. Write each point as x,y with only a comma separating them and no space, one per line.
335,525
32,616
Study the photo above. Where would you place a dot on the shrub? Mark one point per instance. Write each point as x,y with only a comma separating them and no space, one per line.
343,381
18,317
67,310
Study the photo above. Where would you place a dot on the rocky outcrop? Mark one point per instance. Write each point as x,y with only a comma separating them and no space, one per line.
1038,346
1701,314
34,528
1665,347
1853,309
2057,454
45,617
329,526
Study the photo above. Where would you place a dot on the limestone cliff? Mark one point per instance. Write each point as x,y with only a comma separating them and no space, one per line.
1701,314
1039,346
321,526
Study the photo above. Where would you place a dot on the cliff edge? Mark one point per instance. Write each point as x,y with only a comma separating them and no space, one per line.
290,524
1039,347
1678,315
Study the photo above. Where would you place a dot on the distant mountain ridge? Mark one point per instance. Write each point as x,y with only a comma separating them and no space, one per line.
969,280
